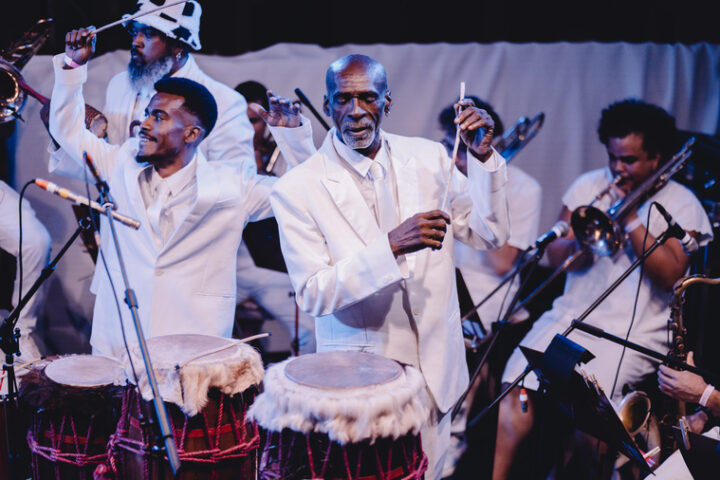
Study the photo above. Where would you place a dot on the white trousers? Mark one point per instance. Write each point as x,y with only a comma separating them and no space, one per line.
436,442
35,256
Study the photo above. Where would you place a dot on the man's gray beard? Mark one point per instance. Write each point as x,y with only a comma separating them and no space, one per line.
359,143
143,78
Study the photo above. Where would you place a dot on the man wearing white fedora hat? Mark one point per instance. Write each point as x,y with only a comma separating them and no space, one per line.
161,46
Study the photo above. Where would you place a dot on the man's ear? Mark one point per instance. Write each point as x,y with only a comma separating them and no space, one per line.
388,102
326,105
194,134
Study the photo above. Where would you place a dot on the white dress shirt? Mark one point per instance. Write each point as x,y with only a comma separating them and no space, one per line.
168,200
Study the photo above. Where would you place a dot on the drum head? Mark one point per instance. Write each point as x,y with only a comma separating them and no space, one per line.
84,371
171,351
340,370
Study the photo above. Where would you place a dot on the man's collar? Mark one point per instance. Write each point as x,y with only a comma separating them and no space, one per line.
359,162
178,180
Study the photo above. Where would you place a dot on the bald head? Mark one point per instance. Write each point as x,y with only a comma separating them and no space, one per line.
357,99
358,64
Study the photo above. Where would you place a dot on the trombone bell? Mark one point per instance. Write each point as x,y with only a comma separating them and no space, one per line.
593,228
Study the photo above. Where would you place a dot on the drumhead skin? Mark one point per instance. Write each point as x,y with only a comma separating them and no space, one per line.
169,351
84,371
187,365
334,370
350,396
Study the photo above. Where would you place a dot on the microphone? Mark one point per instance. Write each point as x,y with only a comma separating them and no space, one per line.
689,244
80,200
560,229
100,182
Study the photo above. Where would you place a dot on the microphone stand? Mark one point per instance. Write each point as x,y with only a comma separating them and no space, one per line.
667,359
658,241
304,99
10,345
131,301
521,265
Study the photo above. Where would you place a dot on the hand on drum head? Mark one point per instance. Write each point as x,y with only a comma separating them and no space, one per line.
422,230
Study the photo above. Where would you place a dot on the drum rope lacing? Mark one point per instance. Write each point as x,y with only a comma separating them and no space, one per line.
53,453
120,439
412,470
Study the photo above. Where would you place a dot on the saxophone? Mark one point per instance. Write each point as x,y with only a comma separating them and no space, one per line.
678,349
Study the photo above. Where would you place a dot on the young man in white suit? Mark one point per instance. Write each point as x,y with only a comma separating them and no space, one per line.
368,245
181,262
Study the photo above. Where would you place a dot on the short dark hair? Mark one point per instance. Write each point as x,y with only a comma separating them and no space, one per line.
447,117
254,92
198,99
636,116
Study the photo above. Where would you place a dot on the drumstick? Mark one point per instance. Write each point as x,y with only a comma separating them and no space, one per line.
254,337
133,17
454,152
273,159
180,365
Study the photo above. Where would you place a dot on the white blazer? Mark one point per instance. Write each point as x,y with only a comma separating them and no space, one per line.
188,286
343,270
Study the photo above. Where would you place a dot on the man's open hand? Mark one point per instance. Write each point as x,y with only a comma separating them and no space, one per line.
282,111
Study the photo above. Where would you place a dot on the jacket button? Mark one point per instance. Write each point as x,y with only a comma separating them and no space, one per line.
415,311
159,273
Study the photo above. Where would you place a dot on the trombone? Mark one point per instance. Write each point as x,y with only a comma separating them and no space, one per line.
599,231
513,140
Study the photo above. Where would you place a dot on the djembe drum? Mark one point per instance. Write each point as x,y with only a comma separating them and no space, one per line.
75,410
207,384
341,415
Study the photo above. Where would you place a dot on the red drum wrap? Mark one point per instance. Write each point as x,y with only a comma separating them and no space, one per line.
75,410
207,384
341,415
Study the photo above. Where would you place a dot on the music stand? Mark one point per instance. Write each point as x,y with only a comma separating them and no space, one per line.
703,457
580,398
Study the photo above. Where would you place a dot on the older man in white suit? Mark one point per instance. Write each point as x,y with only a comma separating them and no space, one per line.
368,245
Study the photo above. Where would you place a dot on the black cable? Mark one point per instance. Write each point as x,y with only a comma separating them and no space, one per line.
637,294
20,262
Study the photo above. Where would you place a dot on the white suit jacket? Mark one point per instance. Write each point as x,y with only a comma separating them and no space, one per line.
342,268
188,286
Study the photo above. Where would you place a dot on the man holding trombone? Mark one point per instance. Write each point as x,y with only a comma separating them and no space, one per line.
639,138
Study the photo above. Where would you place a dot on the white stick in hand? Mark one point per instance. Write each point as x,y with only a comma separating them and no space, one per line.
454,153
133,17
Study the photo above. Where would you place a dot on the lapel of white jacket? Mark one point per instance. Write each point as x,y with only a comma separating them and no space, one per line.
345,194
405,167
207,193
131,173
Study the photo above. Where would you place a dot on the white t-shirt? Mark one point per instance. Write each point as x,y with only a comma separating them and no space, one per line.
524,201
614,314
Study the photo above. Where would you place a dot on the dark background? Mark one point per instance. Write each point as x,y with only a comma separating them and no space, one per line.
233,27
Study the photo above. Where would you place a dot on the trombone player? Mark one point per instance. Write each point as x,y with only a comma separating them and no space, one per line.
639,138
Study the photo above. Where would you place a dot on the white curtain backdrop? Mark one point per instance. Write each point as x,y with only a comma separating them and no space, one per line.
571,83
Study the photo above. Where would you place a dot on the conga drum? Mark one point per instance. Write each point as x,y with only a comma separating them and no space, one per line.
341,415
74,405
207,384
